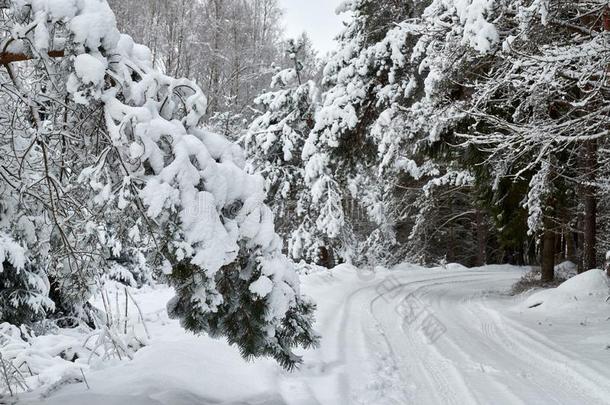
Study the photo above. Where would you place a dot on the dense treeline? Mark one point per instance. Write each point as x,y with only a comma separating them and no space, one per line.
469,132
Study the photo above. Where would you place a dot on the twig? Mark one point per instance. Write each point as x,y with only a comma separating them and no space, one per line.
140,313
85,379
126,310
5,373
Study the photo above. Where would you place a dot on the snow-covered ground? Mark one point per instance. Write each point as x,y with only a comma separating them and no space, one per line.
407,336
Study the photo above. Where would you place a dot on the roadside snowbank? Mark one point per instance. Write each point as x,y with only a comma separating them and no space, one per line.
586,291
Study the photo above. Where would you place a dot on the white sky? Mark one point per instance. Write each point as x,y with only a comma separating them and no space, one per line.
316,17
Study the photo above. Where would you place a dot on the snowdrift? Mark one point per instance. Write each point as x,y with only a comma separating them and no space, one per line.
589,290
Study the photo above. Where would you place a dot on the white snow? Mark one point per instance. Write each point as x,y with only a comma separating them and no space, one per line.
90,69
581,292
262,287
488,347
11,251
478,32
593,282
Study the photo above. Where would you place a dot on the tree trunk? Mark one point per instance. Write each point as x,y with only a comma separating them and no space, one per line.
589,239
325,258
450,256
562,246
590,216
559,256
570,247
548,255
481,239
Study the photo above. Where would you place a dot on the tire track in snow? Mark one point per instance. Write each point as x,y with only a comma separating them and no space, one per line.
483,358
516,375
538,378
578,378
446,383
335,366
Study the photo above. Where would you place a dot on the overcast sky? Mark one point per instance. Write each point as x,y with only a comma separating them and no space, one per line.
316,17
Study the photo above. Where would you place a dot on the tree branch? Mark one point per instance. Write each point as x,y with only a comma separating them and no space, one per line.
7,57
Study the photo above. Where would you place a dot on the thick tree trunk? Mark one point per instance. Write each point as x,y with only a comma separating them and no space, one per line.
325,258
590,216
548,255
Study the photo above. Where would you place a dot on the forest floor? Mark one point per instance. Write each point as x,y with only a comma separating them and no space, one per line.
407,336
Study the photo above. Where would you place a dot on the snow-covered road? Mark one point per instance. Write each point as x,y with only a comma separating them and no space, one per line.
410,336
424,337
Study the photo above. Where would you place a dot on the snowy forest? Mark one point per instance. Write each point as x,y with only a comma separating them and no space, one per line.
197,208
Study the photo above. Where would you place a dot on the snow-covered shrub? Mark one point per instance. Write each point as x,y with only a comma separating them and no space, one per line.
531,280
30,360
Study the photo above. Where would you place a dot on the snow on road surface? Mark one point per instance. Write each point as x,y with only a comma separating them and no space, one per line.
407,336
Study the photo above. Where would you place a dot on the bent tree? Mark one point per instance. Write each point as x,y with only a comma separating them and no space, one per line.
101,153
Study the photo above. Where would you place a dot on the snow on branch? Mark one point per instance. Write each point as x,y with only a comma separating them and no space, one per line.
152,160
